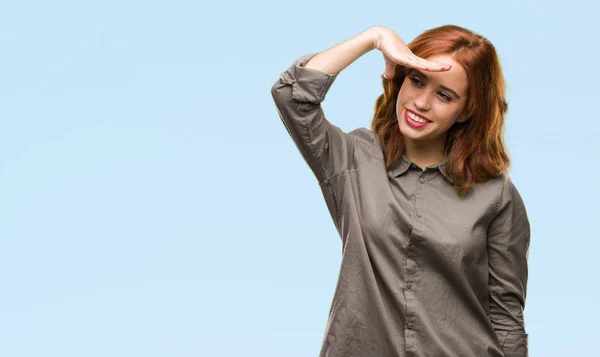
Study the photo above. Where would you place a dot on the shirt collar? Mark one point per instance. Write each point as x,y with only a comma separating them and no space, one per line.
402,165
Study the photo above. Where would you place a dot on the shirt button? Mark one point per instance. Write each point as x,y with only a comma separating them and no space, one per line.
422,179
410,325
412,246
418,214
409,286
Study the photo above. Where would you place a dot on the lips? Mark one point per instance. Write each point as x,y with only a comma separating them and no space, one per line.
417,114
413,123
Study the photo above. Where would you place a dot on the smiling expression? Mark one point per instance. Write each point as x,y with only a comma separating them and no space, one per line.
439,97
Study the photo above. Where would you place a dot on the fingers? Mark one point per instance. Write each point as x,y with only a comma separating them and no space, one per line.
426,65
413,61
435,66
439,67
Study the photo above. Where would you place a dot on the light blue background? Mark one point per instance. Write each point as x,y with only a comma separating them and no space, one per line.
152,203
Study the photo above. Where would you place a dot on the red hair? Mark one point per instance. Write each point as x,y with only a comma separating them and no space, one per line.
475,147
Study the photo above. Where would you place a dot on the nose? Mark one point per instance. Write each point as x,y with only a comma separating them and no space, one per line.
422,101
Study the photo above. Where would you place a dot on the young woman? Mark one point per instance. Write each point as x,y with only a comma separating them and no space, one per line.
435,236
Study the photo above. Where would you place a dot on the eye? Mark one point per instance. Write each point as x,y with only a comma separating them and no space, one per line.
416,81
445,97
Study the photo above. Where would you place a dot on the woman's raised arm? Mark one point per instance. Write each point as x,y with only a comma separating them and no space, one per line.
298,94
300,90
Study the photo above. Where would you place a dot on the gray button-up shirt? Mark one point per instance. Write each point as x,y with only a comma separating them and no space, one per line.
424,272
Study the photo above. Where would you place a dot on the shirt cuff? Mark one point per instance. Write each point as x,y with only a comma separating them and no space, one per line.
308,84
516,344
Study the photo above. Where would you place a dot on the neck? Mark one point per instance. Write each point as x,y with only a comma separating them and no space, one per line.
423,153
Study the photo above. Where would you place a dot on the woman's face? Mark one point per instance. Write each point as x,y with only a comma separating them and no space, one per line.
439,97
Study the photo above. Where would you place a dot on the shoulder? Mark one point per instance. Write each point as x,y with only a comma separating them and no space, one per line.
492,193
367,140
363,134
507,192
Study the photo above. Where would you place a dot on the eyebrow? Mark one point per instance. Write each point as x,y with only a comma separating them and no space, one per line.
441,86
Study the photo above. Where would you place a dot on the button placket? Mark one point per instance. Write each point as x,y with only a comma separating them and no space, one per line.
411,270
412,252
423,178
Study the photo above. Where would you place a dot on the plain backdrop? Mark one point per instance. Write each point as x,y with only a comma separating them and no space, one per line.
153,204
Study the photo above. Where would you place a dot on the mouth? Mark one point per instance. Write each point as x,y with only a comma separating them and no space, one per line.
415,120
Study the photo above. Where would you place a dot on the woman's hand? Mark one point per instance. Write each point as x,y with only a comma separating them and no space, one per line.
396,52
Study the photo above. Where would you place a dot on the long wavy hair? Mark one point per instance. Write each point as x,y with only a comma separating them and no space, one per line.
475,147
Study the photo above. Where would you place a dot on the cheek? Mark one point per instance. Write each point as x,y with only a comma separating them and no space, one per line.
400,102
403,94
446,113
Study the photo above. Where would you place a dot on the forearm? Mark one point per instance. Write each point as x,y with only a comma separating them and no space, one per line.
340,56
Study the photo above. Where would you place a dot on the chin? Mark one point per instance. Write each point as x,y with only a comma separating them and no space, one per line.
409,132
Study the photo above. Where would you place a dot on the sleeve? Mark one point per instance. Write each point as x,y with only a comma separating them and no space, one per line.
508,252
298,94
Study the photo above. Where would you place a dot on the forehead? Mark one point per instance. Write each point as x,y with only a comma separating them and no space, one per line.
455,78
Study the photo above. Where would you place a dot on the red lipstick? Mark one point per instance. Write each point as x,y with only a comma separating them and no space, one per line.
413,123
